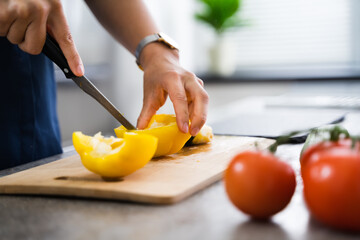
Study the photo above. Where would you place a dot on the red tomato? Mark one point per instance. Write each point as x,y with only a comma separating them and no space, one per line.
259,184
332,187
312,153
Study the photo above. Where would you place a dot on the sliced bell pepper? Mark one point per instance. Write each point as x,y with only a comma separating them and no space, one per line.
114,157
205,135
164,127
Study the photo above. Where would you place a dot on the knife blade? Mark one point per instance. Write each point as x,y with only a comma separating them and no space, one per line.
53,51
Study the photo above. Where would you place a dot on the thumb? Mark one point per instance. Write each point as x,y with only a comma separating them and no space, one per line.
59,29
151,103
147,112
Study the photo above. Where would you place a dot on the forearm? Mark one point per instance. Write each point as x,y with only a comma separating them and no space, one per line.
127,20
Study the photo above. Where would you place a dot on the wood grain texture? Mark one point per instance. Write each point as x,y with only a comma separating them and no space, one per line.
163,180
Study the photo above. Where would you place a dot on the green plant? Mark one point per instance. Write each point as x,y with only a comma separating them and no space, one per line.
220,14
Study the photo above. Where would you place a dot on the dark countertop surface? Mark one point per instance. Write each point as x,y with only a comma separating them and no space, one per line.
207,214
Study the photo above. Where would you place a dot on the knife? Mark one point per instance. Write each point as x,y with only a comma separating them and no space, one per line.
53,51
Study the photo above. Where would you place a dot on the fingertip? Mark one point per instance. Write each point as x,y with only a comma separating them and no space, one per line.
79,66
185,127
194,131
140,125
146,114
182,123
142,122
80,70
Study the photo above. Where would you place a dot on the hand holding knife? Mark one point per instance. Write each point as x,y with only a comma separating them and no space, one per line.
52,50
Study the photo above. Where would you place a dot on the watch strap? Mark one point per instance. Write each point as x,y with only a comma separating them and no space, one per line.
157,37
145,41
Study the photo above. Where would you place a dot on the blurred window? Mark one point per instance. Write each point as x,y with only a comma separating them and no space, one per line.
280,34
298,33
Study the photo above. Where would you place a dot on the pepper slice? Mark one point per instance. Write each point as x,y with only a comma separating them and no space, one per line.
204,136
164,127
114,157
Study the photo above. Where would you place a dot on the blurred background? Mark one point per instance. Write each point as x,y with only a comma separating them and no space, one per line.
288,53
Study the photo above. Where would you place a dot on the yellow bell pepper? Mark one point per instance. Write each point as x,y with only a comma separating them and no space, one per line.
164,127
114,157
205,135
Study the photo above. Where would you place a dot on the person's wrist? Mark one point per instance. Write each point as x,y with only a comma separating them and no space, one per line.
156,50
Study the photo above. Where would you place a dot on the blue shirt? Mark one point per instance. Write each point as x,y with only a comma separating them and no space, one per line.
29,128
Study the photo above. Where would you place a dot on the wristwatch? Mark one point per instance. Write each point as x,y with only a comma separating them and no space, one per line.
157,37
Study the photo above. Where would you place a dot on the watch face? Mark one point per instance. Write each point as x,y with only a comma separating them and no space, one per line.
168,40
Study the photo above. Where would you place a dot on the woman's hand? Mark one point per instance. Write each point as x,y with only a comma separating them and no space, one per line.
164,76
25,22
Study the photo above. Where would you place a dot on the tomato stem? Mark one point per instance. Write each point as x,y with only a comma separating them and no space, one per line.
336,132
327,134
283,139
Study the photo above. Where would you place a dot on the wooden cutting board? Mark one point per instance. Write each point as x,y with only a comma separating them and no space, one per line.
163,180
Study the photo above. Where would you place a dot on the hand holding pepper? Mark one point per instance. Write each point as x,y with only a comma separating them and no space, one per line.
163,75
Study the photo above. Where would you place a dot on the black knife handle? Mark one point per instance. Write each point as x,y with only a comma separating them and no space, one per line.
53,51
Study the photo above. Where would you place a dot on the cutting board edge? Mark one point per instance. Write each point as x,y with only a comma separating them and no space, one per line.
59,191
36,190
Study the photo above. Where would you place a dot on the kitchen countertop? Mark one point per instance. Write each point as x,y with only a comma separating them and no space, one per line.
207,214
